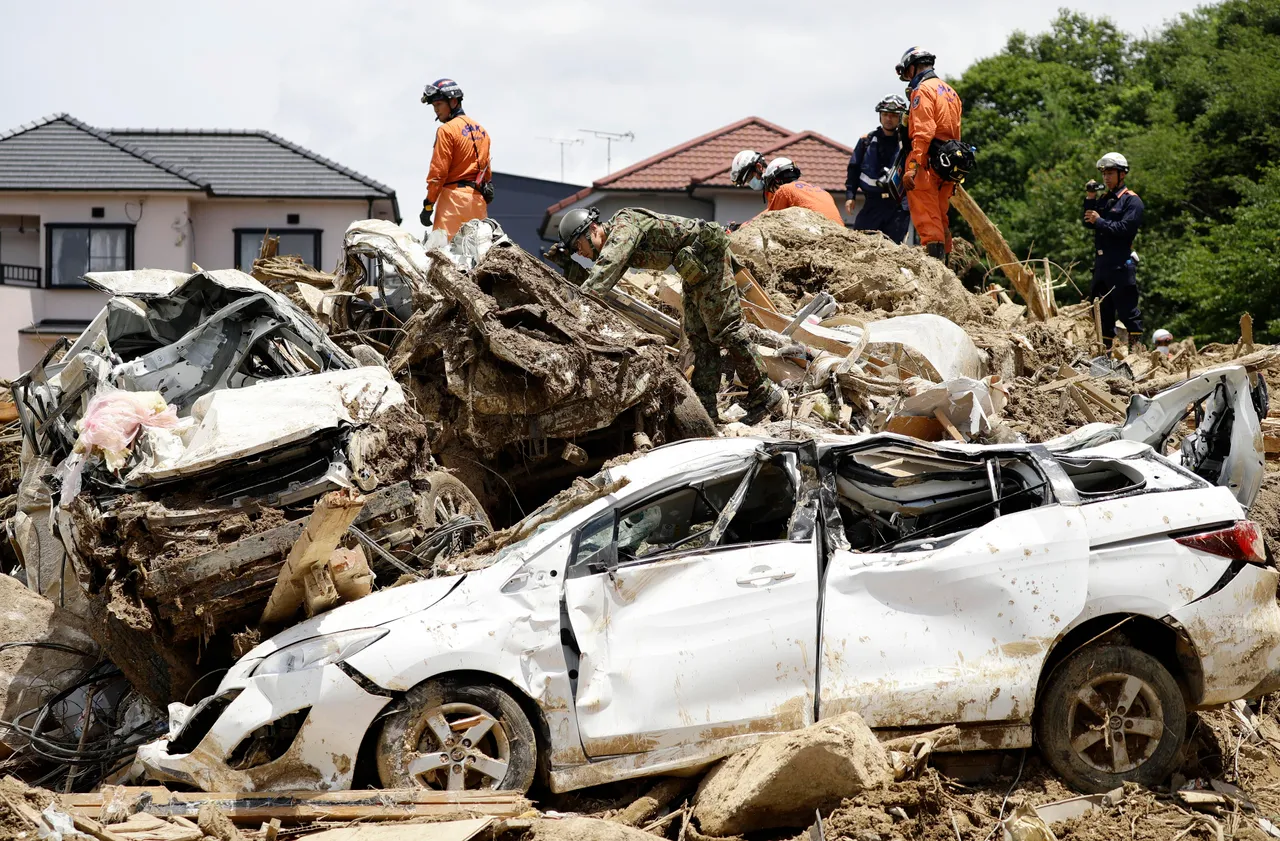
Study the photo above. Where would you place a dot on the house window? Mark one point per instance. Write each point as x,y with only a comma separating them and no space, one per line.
303,243
71,251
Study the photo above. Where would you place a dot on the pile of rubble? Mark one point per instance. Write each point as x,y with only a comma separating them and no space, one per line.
219,454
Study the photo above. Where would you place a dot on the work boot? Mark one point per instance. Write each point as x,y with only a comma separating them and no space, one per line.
937,250
774,401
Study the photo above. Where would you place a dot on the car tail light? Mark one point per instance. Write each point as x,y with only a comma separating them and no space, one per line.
1241,541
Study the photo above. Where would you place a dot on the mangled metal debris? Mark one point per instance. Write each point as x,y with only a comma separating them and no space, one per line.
674,619
177,445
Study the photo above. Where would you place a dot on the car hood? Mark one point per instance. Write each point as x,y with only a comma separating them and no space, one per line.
380,608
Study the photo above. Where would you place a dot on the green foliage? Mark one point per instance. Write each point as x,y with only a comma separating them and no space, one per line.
1193,107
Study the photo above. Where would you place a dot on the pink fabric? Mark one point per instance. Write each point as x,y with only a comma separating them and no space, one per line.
113,419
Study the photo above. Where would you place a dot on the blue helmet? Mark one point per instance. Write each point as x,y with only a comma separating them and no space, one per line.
912,56
442,89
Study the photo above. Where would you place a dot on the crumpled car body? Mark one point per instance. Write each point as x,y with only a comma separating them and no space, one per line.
724,590
271,414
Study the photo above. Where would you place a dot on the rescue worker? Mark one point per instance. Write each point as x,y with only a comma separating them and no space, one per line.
1163,340
874,155
934,115
1115,217
781,184
699,250
460,173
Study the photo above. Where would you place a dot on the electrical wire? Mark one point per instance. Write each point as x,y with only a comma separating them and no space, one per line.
1005,801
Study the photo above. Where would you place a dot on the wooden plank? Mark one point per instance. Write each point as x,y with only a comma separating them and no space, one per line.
253,808
328,523
992,242
1097,323
948,425
1098,396
751,291
1082,404
926,429
463,830
813,335
1057,384
169,581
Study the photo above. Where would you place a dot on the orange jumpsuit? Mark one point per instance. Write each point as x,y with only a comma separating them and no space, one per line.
461,154
935,112
803,194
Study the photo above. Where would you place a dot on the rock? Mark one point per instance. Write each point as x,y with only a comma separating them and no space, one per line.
29,675
216,824
780,782
584,829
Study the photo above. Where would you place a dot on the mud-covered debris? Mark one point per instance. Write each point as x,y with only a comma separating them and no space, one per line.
583,829
797,252
782,781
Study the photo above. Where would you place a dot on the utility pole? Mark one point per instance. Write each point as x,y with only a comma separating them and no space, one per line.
608,137
563,141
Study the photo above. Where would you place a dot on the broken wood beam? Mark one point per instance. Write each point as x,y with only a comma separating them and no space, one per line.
1082,404
327,525
294,807
950,427
993,242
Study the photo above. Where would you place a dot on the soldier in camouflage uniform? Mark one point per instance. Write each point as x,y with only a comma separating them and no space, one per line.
699,250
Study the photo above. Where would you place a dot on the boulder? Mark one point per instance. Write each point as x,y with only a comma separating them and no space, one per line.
584,829
780,782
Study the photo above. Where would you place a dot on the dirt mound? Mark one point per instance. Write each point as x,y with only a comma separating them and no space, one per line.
797,252
1266,511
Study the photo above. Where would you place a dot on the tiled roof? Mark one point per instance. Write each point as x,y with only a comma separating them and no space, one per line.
62,153
253,163
823,162
675,168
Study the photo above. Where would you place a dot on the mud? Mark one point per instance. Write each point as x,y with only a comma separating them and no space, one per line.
797,252
1266,510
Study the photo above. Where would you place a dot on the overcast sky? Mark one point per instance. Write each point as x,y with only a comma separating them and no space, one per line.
344,79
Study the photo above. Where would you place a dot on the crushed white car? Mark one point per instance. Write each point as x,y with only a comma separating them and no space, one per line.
1081,595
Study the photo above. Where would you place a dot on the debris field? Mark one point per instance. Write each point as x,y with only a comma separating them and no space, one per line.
222,457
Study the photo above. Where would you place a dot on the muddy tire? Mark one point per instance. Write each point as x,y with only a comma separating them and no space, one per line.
1109,715
446,498
455,736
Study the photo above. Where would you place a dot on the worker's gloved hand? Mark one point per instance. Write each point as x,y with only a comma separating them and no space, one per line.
909,180
425,216
558,255
1093,186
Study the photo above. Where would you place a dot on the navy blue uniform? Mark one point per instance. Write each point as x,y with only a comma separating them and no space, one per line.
879,212
1115,272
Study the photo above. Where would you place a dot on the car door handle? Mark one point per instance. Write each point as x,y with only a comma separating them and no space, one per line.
764,576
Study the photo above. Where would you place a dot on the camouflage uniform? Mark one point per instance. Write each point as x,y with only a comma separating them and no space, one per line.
699,250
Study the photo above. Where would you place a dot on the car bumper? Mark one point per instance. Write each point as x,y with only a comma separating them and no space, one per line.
1236,633
320,757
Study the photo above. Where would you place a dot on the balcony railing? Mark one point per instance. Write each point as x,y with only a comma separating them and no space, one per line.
14,275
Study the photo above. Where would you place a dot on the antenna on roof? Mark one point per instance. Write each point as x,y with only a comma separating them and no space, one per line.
608,137
563,141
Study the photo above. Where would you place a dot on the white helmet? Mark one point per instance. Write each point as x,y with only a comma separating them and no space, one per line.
780,171
1161,335
743,167
1113,160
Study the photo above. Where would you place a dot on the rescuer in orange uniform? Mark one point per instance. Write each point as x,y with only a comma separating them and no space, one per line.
781,183
934,115
458,187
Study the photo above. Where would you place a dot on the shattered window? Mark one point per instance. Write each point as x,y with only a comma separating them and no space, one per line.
897,500
1099,477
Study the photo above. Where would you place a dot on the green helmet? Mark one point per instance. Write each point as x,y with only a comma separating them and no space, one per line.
575,223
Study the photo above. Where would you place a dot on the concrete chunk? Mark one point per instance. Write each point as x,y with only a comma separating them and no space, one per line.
779,783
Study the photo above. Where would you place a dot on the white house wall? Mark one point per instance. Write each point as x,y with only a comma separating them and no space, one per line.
159,240
171,231
215,221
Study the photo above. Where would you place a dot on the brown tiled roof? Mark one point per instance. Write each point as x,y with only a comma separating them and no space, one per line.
823,162
675,168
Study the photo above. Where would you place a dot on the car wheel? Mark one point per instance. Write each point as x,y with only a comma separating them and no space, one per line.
448,498
453,736
1108,715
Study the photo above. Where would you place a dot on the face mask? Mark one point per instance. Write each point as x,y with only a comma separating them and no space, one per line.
756,184
1164,349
